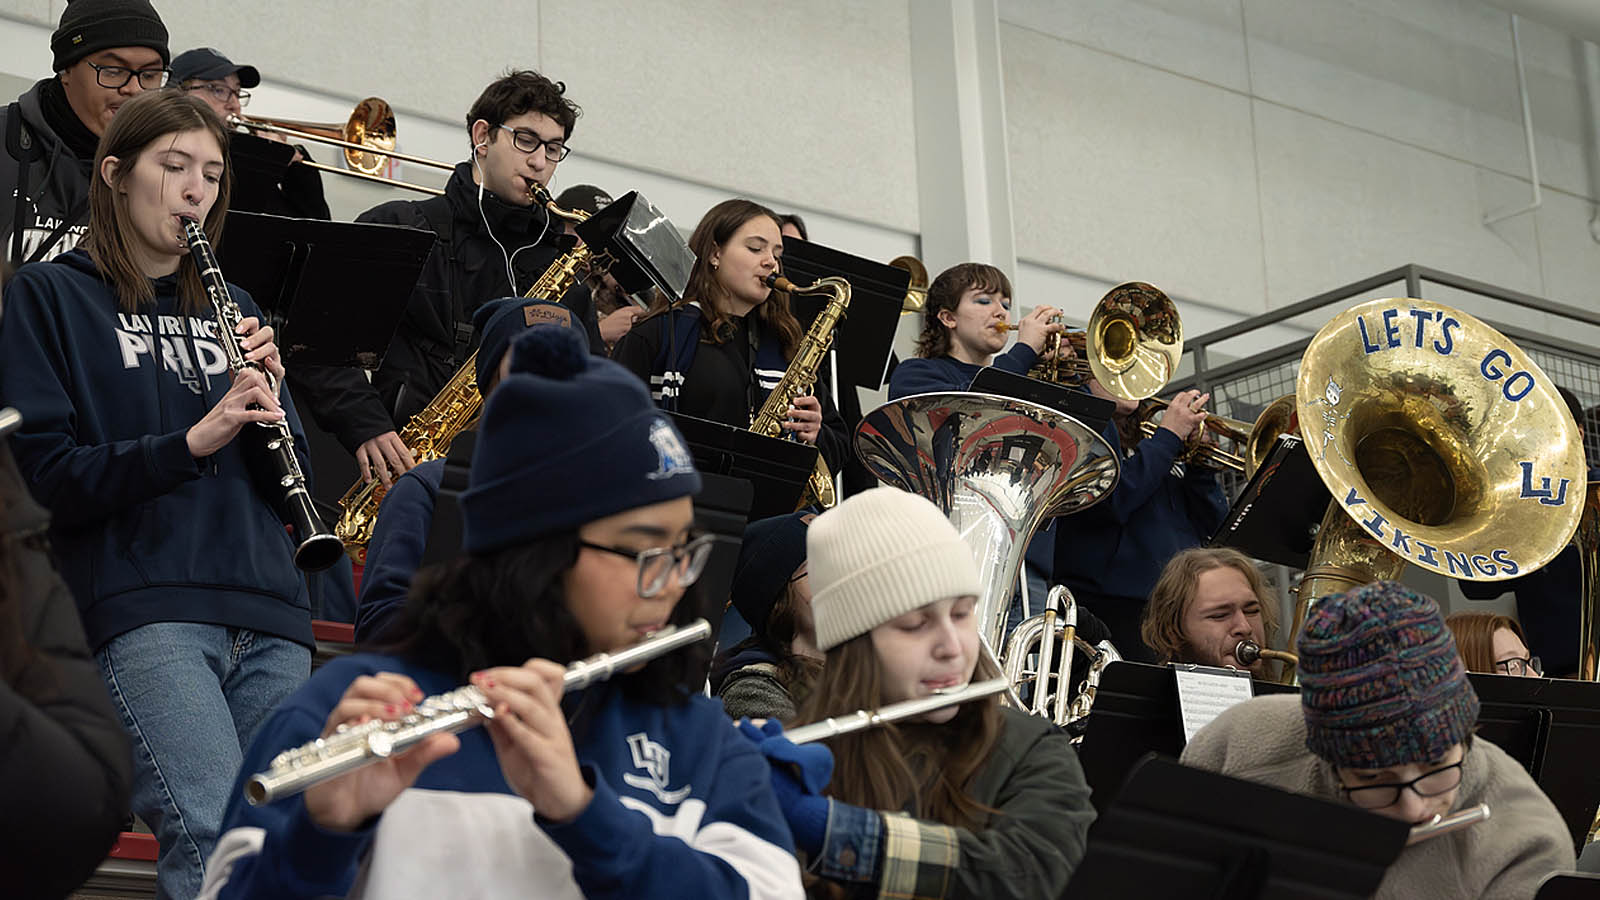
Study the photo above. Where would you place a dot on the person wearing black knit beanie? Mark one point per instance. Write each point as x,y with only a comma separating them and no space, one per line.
105,52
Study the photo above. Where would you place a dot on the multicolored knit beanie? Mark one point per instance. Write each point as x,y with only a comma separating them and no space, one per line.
1381,683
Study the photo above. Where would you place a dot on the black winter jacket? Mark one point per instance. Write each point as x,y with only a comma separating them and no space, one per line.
65,767
57,189
465,270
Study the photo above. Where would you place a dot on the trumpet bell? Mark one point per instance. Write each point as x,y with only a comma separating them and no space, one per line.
1134,340
997,467
1443,441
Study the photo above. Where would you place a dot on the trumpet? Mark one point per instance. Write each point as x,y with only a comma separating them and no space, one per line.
1253,439
861,719
351,747
1247,652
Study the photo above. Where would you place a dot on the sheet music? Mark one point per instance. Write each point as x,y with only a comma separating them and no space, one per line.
1205,691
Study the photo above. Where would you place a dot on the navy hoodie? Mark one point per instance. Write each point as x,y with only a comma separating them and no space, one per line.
144,531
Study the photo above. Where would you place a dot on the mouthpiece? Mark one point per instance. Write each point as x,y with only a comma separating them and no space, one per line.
1247,653
778,282
1004,327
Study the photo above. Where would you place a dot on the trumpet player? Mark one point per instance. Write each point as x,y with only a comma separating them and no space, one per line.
964,325
494,241
225,87
970,801
632,787
1206,601
1384,721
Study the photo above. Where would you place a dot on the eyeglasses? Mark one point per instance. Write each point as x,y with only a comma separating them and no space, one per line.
528,142
1521,666
658,563
222,92
115,77
1429,784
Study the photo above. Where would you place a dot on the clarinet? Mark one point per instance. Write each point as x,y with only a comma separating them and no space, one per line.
270,445
353,746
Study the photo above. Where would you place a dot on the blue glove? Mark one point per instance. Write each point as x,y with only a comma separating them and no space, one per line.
799,773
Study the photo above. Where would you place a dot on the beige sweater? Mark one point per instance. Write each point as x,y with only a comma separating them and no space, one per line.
1523,840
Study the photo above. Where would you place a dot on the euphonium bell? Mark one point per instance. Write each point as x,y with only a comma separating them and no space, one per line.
997,467
1131,345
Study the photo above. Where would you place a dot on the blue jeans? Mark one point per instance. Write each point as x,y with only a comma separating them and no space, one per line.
191,697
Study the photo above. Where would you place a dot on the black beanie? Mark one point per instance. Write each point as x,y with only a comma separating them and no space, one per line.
772,549
560,414
498,322
89,26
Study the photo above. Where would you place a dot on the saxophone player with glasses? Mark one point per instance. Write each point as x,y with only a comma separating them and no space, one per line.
494,241
720,353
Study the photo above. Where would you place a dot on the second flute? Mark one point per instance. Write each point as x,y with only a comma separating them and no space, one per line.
351,747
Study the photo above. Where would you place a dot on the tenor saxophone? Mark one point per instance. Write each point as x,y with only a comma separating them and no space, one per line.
801,375
455,409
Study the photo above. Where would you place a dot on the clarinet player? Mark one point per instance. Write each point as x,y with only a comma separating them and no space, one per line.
181,569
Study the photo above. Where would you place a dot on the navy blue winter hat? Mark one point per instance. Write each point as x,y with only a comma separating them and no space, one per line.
557,414
772,549
498,322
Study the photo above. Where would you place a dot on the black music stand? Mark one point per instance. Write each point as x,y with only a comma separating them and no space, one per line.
1274,518
1569,886
1095,412
1187,834
1552,727
334,291
777,470
259,166
1135,713
641,246
865,336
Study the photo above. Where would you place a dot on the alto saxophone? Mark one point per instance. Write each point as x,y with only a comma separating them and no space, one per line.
428,434
801,375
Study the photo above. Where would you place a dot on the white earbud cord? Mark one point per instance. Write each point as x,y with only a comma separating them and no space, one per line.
511,276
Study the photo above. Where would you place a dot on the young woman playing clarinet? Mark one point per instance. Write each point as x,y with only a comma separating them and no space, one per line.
181,570
972,800
718,355
634,787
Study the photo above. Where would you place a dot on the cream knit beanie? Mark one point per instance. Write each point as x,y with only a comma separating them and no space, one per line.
879,555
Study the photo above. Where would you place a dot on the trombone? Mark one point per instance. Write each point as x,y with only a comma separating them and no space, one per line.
367,138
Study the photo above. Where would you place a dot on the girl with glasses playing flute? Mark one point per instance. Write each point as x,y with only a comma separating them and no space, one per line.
971,800
634,787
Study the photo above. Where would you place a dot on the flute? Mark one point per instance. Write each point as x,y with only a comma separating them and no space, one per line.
353,746
862,719
1446,824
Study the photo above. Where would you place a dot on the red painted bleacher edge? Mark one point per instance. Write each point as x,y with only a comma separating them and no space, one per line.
134,845
333,632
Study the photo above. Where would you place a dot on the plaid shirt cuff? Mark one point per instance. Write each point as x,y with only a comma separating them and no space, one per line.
850,847
918,858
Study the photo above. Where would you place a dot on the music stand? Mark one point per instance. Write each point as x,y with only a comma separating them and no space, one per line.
721,508
333,291
1569,886
877,292
776,469
1135,713
1095,412
1186,833
1274,517
1552,727
641,246
259,166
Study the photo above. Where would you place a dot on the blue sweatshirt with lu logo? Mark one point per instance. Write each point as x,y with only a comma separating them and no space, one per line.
144,531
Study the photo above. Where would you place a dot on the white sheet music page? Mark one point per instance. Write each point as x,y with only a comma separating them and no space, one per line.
1205,691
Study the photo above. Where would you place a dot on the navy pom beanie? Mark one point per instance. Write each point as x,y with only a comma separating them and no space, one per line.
559,413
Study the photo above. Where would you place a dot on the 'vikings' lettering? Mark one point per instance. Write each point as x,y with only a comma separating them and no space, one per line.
1353,499
1375,524
1503,557
1481,563
1457,564
1427,557
1401,542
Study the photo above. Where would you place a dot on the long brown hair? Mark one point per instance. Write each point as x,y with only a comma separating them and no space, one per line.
926,769
1474,634
945,293
1161,626
717,228
140,123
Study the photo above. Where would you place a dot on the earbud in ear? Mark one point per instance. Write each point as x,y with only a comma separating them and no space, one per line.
479,146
